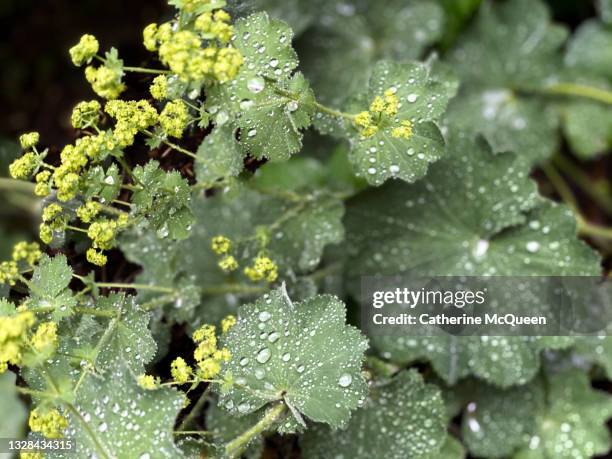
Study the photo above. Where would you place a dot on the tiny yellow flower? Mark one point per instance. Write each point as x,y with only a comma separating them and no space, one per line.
180,371
29,139
377,105
208,368
30,252
227,323
95,257
404,130
85,50
205,332
45,337
149,37
147,382
221,244
228,264
51,423
363,119
159,87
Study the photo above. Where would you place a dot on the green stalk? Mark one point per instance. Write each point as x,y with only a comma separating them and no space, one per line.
237,446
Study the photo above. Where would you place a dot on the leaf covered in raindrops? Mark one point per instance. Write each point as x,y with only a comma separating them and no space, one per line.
571,422
511,49
295,235
302,354
163,199
114,417
343,45
496,421
11,426
49,287
268,101
476,214
422,92
218,156
403,417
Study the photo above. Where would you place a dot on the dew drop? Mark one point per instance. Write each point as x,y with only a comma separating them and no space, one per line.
256,84
345,380
264,316
263,355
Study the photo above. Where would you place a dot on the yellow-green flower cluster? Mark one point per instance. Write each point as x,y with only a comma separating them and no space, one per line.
403,130
14,331
221,245
102,233
84,50
30,252
43,183
185,54
9,272
85,114
262,268
216,25
54,219
23,167
159,87
132,117
227,323
50,423
380,114
174,118
147,382
105,81
29,140
180,371
206,354
88,211
27,455
45,338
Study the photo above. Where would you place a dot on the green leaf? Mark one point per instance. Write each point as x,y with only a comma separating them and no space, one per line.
423,94
401,418
572,423
588,127
49,286
341,48
510,45
297,233
605,10
590,50
451,449
226,427
103,183
302,353
218,156
496,421
474,214
511,48
163,200
296,13
596,349
477,214
527,126
13,423
114,417
270,121
267,101
127,337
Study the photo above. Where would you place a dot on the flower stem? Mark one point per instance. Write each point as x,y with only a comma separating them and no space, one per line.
147,70
579,90
152,288
237,446
16,185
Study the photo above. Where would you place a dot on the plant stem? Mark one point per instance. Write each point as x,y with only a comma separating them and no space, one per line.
584,181
16,185
579,90
76,228
232,288
195,410
146,70
332,112
152,288
564,191
237,446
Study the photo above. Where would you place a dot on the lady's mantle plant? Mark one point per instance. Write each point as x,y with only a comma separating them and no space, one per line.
268,188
